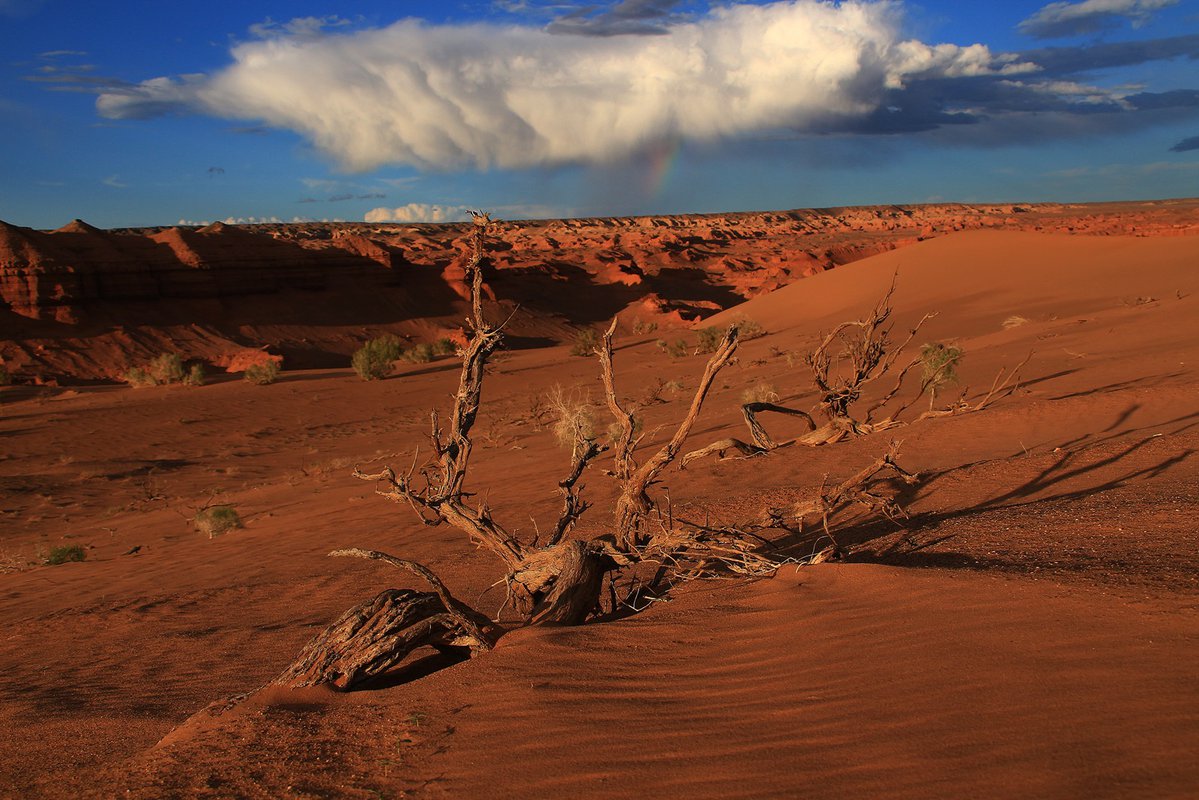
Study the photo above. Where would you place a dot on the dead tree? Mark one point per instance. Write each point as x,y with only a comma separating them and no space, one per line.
634,503
843,365
557,582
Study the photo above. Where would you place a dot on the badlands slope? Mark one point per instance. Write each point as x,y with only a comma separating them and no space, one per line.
1032,632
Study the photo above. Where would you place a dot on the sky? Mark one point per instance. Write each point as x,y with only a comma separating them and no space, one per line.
146,113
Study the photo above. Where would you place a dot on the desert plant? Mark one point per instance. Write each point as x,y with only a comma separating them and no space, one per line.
749,328
373,361
5,376
64,553
708,339
1014,321
216,520
573,421
195,375
444,347
262,374
167,368
419,354
762,392
938,362
641,327
676,349
585,342
138,377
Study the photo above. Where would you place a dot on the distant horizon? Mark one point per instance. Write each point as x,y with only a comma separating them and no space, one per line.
206,223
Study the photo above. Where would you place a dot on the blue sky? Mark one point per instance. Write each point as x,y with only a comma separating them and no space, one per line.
153,113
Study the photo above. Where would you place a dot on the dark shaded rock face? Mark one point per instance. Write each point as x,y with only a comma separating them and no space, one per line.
59,275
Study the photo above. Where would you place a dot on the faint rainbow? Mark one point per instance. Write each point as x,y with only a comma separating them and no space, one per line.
662,159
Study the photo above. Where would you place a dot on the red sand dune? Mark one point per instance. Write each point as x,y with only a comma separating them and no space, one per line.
81,303
1033,633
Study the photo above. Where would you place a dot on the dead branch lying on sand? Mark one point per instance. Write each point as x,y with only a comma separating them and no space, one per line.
560,581
864,353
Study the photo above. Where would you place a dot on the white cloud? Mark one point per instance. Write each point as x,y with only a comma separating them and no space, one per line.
418,212
115,182
1071,19
481,95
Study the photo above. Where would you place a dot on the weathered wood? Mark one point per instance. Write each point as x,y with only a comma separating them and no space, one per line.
372,638
561,584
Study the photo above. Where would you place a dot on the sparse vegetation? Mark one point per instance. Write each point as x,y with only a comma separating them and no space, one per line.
749,328
573,420
708,339
676,349
1014,321
762,392
164,370
444,347
195,375
216,520
262,374
64,553
167,369
375,359
585,342
419,354
5,376
641,327
939,362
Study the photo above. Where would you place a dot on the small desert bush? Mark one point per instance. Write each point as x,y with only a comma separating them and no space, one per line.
5,376
419,354
676,349
709,339
585,342
444,347
573,421
374,359
747,329
939,362
139,377
262,374
217,520
167,368
641,327
164,369
195,375
65,553
762,392
1014,321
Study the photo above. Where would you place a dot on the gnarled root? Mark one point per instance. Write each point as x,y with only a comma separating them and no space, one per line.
377,635
561,584
372,638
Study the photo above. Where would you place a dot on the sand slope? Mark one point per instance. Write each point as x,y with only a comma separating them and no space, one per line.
1045,649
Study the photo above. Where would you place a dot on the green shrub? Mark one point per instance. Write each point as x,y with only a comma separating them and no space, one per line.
585,342
262,374
444,347
217,520
138,377
195,375
939,362
748,329
709,339
419,354
374,359
676,349
167,368
65,553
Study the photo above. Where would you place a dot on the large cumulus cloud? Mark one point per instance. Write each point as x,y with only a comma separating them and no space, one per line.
481,96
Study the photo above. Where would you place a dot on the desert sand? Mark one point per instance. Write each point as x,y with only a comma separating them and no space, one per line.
1031,631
